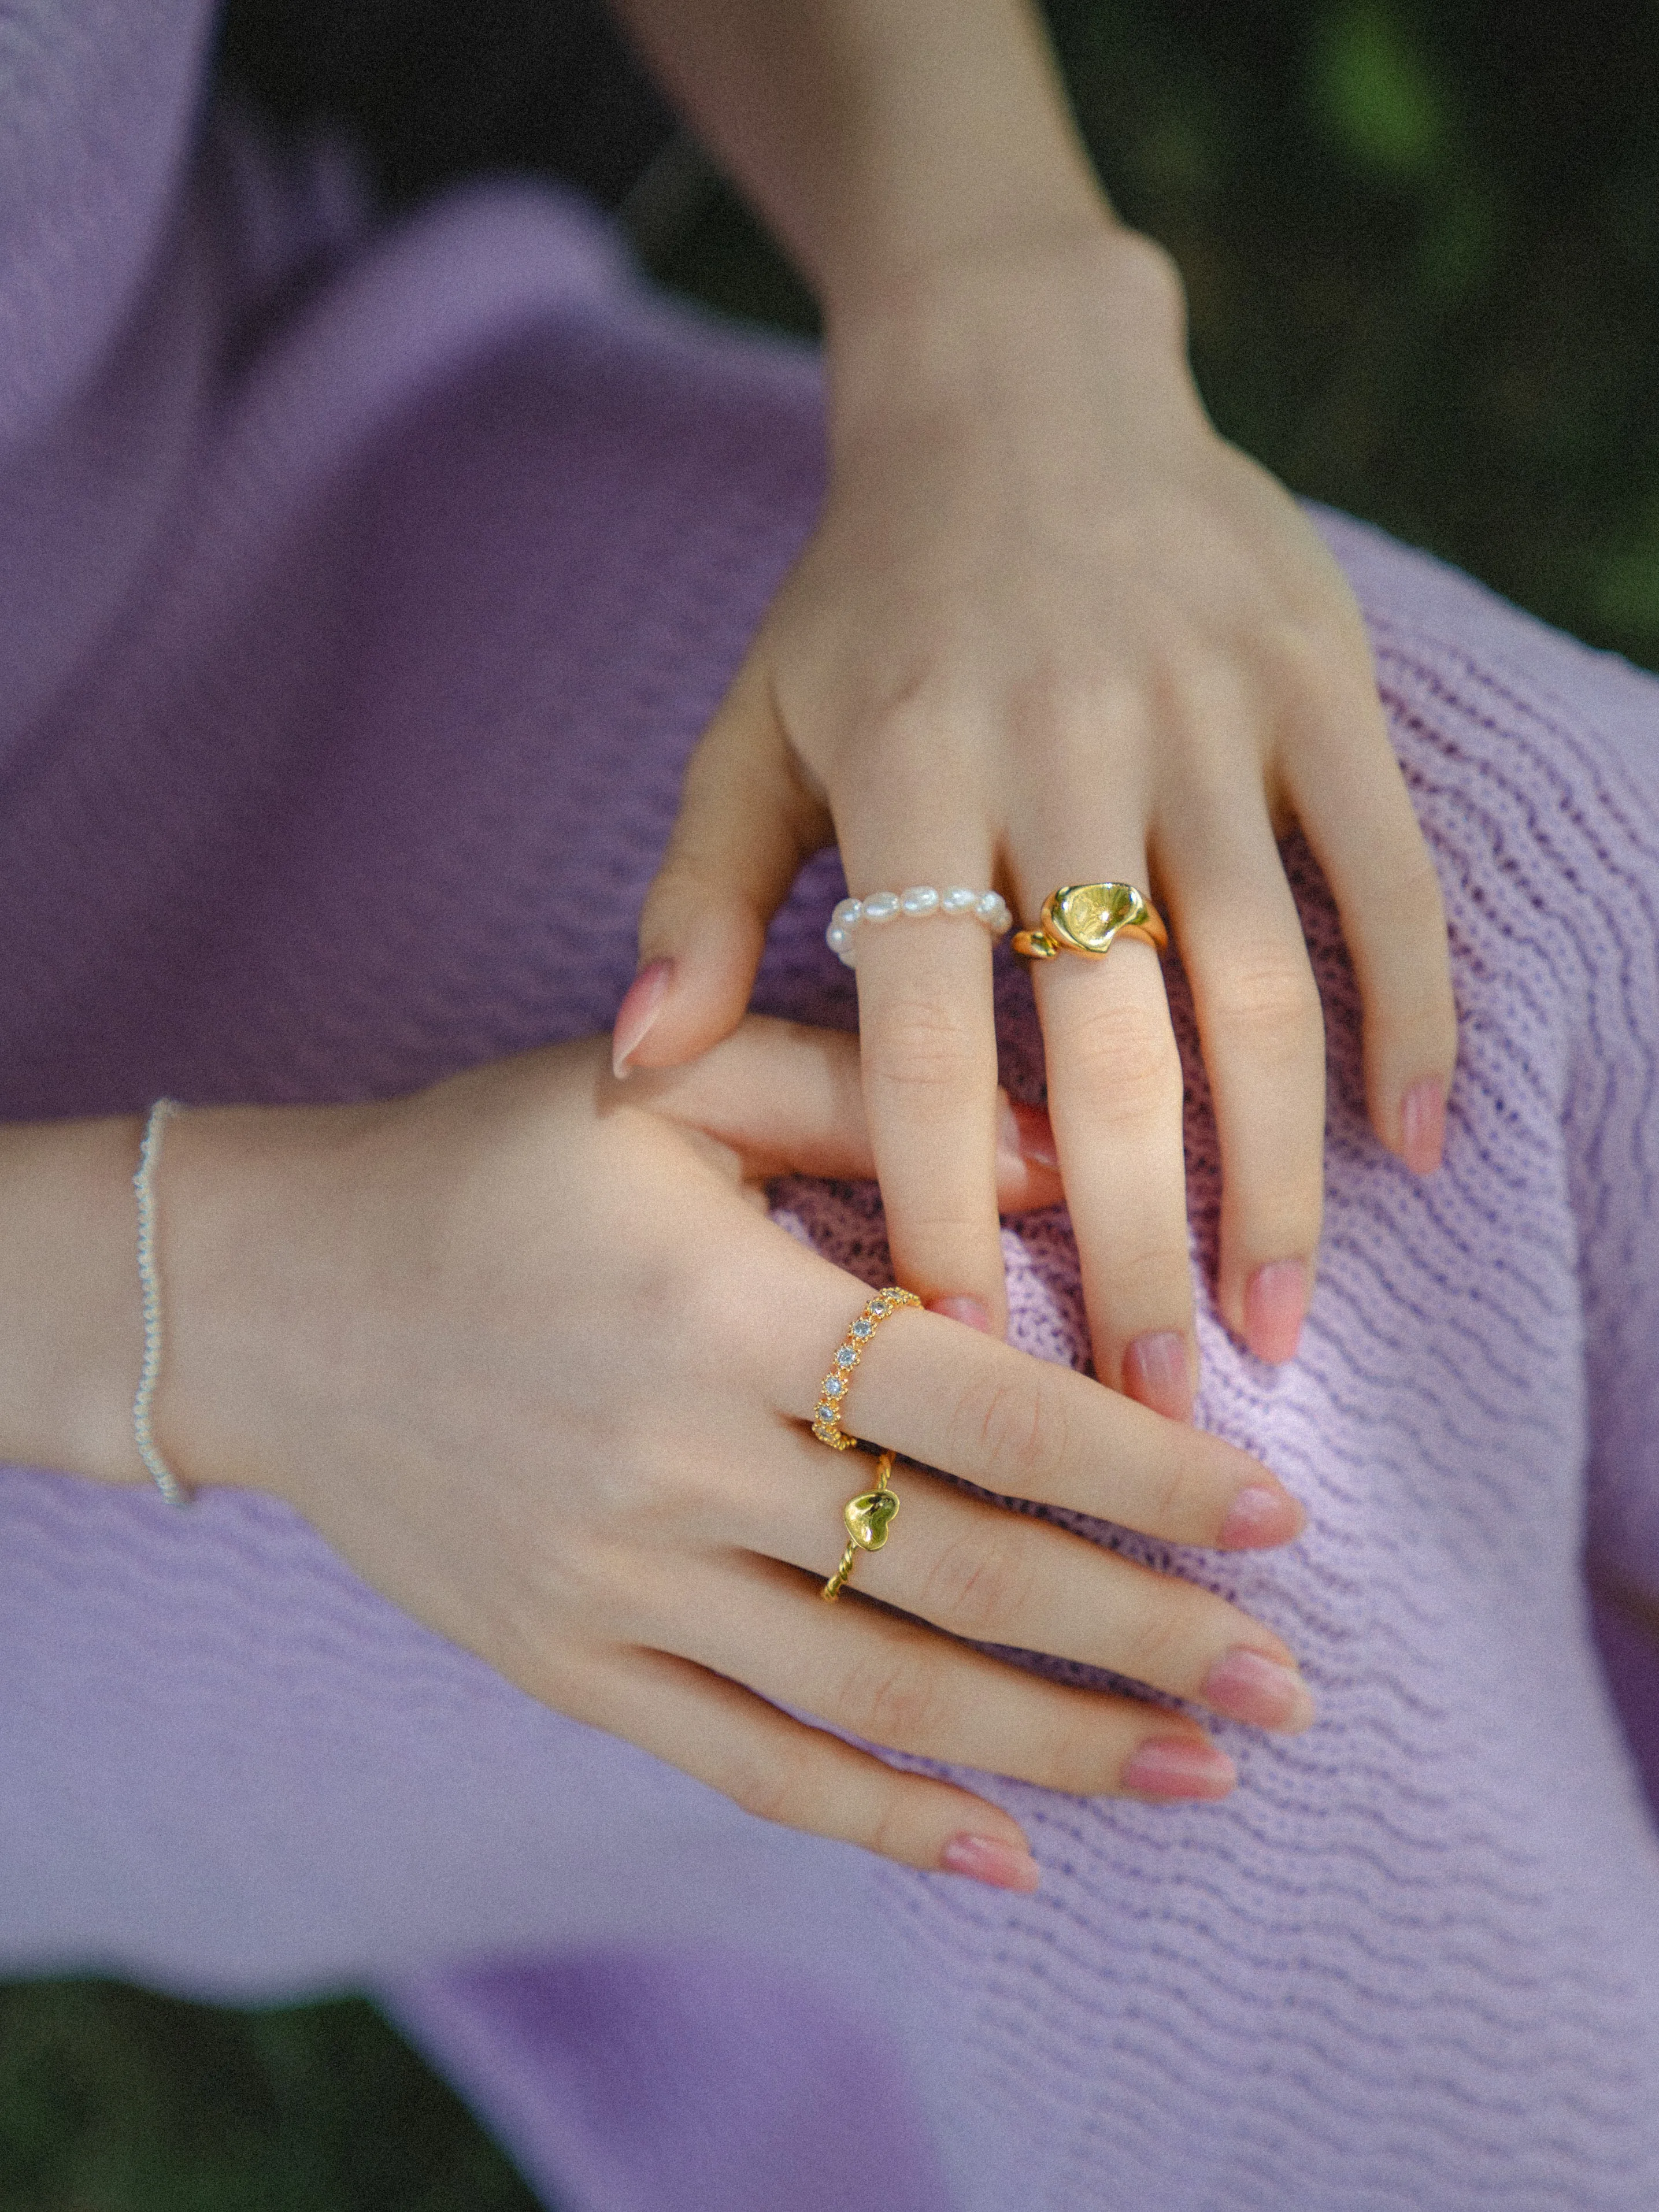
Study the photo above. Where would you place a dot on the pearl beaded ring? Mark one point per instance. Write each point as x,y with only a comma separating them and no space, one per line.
989,908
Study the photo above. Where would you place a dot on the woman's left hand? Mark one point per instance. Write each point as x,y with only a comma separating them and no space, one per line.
1052,628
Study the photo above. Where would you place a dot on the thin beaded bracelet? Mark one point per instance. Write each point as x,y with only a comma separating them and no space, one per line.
959,904
143,1184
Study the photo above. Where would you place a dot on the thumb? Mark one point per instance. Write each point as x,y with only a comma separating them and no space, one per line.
746,822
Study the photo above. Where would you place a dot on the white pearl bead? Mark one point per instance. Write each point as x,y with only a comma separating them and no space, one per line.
987,907
882,907
921,898
836,937
958,899
847,959
847,913
1001,920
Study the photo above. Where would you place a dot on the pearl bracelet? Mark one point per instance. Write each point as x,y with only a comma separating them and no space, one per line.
989,908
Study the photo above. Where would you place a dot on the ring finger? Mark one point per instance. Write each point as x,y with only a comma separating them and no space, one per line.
1262,1033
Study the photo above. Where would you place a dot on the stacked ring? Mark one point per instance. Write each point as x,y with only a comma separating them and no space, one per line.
832,1392
1089,918
867,1517
960,903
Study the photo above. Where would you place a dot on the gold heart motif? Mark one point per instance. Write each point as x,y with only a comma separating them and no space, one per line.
1092,914
867,1518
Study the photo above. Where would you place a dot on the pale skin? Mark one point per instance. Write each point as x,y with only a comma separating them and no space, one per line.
1051,628
527,1350
525,1347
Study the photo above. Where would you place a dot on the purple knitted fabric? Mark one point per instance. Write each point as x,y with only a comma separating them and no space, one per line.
362,595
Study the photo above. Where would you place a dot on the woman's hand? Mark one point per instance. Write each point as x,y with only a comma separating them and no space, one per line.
1053,629
527,1350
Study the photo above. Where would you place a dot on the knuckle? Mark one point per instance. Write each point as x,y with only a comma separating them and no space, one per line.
913,1044
891,1833
893,1700
977,1586
1010,1426
773,1781
1126,1057
1080,1757
1269,1008
1158,1637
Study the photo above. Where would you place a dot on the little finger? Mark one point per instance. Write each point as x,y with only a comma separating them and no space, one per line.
785,1770
1359,822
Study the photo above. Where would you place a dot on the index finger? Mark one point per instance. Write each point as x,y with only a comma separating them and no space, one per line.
1029,1428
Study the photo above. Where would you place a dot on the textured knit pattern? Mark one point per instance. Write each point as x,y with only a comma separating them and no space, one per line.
363,594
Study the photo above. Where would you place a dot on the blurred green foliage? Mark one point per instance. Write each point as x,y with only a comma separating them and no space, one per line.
115,2100
1420,238
1421,247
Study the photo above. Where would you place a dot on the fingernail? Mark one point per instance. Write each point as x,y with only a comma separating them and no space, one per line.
1027,1132
1423,1126
1247,1686
1260,1517
1155,1371
638,1012
1179,1766
983,1858
963,1310
1275,1305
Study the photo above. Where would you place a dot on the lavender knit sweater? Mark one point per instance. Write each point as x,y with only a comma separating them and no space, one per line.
360,595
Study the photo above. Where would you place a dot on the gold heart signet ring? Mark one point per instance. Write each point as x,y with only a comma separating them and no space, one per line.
1089,918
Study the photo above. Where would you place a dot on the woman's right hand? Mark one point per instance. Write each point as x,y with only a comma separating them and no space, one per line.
527,1351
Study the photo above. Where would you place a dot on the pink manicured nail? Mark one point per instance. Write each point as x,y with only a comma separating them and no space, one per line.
1179,1766
1247,1686
1034,1135
1275,1306
1003,1866
1259,1517
1423,1126
962,1310
1155,1371
638,1012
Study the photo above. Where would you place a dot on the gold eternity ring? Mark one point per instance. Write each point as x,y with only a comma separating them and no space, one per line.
1089,918
832,1392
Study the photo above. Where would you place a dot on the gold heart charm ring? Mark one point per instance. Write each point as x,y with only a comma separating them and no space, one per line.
1089,918
868,1517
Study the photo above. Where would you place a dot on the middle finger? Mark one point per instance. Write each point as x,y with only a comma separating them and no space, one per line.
1115,1099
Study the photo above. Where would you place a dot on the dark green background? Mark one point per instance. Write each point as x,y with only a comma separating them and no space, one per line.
1420,245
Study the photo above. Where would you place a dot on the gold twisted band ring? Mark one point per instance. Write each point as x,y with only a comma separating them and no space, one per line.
867,1518
1089,918
832,1392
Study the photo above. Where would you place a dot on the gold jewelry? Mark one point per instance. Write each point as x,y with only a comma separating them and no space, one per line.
1088,918
868,1517
826,1420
